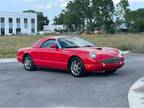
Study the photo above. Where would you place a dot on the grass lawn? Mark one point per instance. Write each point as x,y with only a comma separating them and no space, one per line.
135,43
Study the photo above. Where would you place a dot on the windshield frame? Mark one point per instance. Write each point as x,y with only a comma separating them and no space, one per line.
90,43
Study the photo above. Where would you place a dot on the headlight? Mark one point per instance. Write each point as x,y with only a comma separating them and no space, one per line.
92,55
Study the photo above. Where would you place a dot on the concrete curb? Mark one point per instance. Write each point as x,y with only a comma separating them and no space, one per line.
125,52
136,95
8,60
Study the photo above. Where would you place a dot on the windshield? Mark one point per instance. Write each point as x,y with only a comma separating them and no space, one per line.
74,42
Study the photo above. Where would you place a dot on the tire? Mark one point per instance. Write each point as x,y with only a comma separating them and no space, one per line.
76,67
110,72
28,63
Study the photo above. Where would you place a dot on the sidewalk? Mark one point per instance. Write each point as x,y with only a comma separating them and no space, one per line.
136,94
8,60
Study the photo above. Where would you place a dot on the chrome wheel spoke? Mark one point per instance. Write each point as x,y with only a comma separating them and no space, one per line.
28,63
76,67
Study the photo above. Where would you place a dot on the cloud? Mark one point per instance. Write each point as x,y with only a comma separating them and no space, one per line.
38,7
136,0
43,7
50,5
53,4
130,1
63,3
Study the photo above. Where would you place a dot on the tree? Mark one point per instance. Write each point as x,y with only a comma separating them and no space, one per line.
41,19
77,8
72,17
135,20
87,15
103,14
121,10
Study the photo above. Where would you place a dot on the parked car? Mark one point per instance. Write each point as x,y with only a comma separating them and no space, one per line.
71,54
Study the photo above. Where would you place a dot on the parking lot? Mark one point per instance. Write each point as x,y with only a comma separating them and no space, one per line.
49,88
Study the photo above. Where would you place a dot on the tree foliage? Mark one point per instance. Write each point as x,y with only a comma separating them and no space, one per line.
87,15
103,14
41,19
121,10
135,20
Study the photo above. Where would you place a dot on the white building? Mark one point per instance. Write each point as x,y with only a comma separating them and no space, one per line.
18,23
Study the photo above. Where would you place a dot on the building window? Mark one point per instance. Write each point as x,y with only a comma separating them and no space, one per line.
18,22
10,20
33,30
26,23
32,23
18,31
10,30
2,21
2,31
10,23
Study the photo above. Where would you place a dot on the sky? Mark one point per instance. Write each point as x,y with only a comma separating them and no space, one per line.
50,8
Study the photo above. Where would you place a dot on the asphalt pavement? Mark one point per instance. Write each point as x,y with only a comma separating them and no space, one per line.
49,88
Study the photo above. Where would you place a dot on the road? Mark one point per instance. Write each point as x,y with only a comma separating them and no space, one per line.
49,88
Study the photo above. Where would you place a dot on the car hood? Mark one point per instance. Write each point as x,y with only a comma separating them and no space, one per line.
102,52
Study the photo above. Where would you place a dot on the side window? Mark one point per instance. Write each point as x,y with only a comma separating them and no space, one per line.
63,43
48,43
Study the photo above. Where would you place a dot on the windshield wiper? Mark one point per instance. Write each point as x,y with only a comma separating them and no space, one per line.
88,46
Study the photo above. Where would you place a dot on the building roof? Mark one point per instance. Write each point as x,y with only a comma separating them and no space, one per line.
7,14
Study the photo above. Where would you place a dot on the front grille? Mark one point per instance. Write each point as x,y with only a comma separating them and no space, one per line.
111,60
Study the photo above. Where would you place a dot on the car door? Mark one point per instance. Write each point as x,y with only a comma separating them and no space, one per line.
50,57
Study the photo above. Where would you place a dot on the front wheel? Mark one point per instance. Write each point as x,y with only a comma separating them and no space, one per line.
76,67
28,63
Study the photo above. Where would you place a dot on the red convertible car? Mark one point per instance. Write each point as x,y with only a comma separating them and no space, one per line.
72,54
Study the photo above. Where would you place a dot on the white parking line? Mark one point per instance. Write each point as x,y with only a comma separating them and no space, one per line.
8,60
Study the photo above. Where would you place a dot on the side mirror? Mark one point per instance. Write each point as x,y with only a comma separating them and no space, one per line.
54,46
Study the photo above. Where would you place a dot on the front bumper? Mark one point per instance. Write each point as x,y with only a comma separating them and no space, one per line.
105,65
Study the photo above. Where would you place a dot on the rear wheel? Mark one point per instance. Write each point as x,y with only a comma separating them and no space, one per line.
76,67
28,63
110,72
